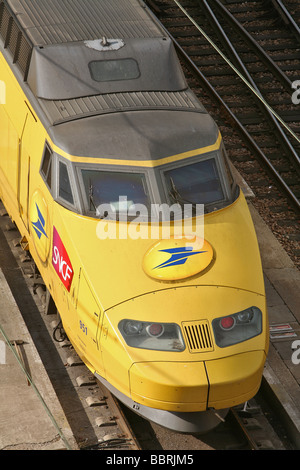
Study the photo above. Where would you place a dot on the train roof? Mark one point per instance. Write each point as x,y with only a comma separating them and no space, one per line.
53,45
28,25
48,22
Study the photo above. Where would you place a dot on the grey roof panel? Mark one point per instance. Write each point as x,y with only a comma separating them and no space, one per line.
137,135
62,71
60,111
58,21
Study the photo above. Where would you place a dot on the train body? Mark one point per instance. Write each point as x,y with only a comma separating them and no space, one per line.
97,124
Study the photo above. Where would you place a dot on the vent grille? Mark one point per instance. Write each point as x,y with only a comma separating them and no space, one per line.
4,21
67,110
198,336
14,39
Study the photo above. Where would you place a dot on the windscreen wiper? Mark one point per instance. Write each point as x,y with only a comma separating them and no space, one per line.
91,197
176,196
92,202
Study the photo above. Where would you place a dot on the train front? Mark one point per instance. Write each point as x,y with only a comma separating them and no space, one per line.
173,322
182,333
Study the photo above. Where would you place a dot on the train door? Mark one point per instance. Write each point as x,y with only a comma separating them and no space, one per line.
89,317
24,152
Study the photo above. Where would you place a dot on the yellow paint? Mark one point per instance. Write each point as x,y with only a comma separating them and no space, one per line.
119,273
235,379
182,302
180,386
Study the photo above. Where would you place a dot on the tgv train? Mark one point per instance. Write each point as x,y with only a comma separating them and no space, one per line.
104,148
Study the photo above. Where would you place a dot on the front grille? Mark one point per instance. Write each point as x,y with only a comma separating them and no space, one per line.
198,336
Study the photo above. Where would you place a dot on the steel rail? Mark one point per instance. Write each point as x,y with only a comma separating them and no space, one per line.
252,145
250,141
285,143
287,17
241,428
116,408
265,58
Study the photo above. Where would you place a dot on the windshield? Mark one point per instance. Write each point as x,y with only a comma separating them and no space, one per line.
113,192
155,192
198,183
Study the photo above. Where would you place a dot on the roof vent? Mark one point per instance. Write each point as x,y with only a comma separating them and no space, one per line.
105,44
104,41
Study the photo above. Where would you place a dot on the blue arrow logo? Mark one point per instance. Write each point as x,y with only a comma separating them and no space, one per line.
178,256
40,224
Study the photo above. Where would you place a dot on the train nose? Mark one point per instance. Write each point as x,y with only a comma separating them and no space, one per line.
172,386
197,386
234,379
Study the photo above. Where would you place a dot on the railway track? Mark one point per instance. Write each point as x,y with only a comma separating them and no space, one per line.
262,47
251,426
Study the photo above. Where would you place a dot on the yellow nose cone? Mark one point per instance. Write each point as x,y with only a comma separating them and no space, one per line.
177,258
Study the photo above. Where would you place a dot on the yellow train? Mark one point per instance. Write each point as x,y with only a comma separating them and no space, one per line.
102,148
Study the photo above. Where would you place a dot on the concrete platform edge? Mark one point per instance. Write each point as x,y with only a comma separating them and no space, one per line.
280,400
278,382
38,421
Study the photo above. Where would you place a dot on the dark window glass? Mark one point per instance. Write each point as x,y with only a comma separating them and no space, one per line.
119,191
65,191
49,174
198,183
110,70
47,165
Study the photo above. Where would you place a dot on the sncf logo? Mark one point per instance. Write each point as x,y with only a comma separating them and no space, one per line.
61,261
178,256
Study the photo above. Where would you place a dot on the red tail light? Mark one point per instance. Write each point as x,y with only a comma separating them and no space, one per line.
227,323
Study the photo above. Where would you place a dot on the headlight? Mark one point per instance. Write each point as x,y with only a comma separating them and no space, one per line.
236,328
148,335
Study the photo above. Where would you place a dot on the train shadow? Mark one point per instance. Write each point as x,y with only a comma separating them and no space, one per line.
41,337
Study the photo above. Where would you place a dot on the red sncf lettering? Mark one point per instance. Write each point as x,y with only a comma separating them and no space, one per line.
63,266
61,261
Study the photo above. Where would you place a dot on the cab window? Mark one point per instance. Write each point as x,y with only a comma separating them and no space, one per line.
64,188
46,167
117,191
198,183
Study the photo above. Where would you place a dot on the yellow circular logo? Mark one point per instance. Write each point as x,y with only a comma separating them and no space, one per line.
39,225
177,258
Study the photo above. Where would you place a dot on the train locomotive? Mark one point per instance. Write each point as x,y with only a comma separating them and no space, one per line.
100,136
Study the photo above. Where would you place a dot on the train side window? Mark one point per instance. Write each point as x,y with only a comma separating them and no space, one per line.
64,190
227,167
46,167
